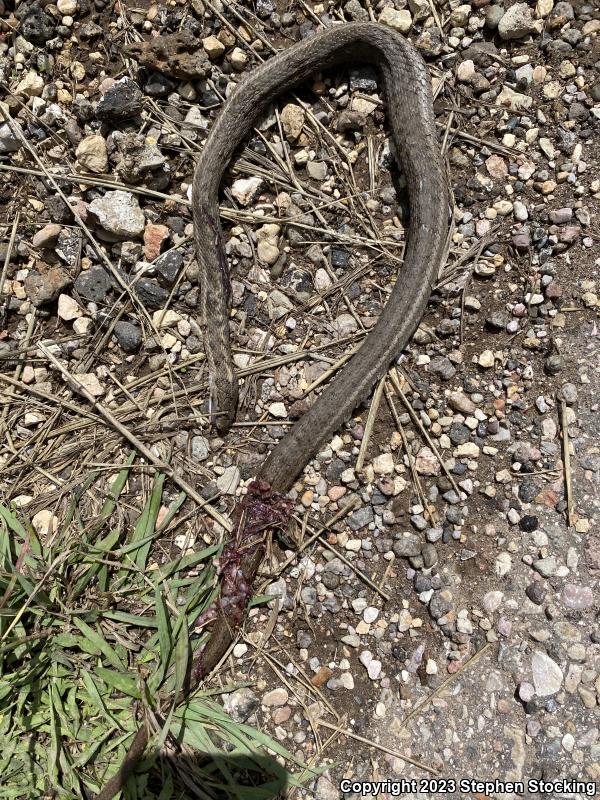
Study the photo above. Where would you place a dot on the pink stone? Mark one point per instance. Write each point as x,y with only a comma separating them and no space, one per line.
578,597
154,236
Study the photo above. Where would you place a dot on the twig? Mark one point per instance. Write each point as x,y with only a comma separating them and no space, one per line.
11,243
567,464
424,703
369,424
436,17
371,743
329,372
409,455
21,362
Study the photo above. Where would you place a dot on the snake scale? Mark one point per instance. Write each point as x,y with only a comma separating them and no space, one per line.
410,113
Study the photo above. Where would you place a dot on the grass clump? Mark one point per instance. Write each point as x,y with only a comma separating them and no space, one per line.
95,636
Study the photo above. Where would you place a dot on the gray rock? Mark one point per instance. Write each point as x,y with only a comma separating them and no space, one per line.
228,482
434,534
330,581
58,210
591,461
121,101
326,789
459,433
536,592
317,170
139,159
345,324
592,552
442,367
89,30
10,140
516,23
547,675
150,293
520,211
546,567
526,691
430,42
454,515
451,497
200,448
578,112
178,55
264,8
303,639
361,517
561,216
157,85
168,266
554,364
94,284
68,246
440,604
430,555
525,74
308,595
334,470
521,241
339,258
128,335
44,287
37,27
119,214
528,491
350,121
497,321
492,601
363,79
241,704
493,15
561,14
418,521
566,141
355,11
407,547
569,393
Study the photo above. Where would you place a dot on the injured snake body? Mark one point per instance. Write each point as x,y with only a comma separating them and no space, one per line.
410,113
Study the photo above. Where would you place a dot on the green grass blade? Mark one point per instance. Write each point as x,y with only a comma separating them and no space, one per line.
146,524
100,644
121,681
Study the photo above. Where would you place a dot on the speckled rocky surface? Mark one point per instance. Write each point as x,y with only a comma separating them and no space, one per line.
460,515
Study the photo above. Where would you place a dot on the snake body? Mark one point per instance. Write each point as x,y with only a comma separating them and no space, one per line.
410,112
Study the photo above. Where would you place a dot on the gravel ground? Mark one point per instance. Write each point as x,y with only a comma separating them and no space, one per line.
446,625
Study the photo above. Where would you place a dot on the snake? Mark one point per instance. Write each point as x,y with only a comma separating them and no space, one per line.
410,113
407,89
